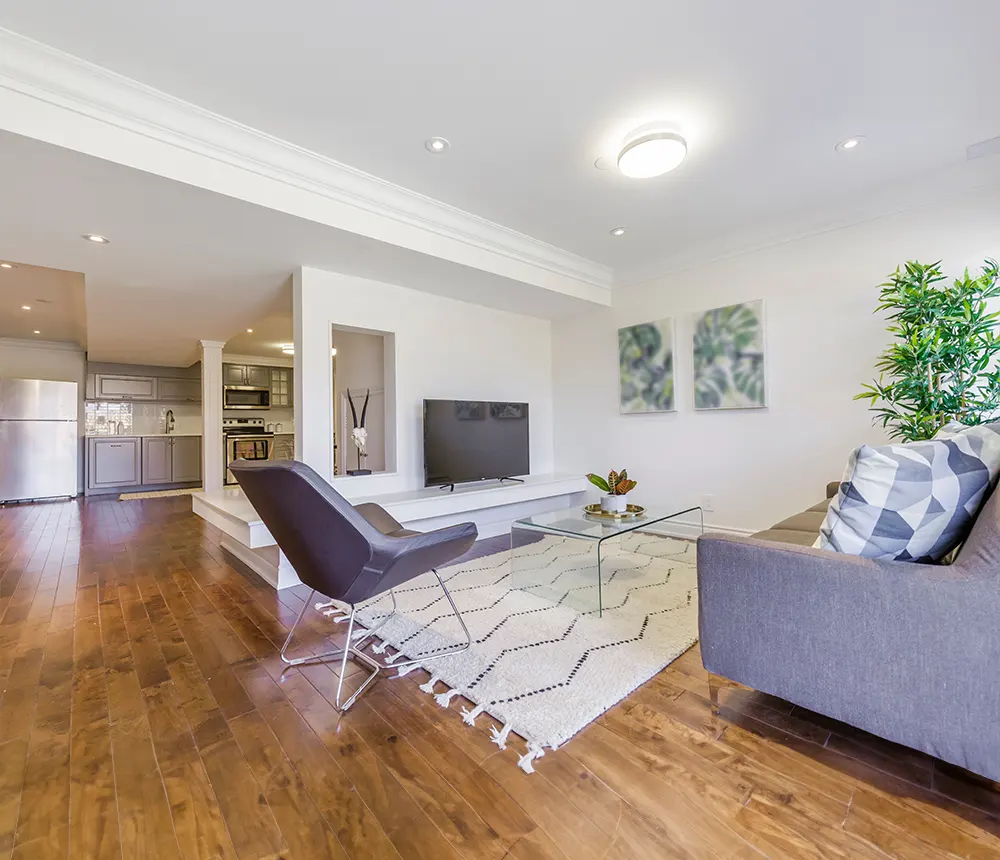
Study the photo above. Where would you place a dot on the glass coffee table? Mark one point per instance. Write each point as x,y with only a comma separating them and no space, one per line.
579,586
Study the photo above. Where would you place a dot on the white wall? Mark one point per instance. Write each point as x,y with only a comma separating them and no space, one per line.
63,362
442,349
821,341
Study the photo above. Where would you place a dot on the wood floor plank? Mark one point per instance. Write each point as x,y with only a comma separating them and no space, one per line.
145,713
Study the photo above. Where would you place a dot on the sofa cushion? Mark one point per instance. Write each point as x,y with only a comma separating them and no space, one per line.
821,506
913,501
807,521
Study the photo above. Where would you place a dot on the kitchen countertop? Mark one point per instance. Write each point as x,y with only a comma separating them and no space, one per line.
135,435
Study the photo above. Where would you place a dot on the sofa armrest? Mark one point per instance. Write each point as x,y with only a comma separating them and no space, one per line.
832,489
906,651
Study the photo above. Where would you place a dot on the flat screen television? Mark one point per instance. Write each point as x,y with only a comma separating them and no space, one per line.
474,440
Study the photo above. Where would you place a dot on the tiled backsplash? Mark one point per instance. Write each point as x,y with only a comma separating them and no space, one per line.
102,417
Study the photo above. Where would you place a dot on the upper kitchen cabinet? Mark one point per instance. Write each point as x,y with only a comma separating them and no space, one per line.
281,386
114,387
170,388
244,374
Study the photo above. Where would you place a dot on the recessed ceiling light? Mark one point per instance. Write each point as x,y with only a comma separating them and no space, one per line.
849,143
650,151
333,351
288,348
25,307
97,240
618,231
249,331
6,265
437,145
36,331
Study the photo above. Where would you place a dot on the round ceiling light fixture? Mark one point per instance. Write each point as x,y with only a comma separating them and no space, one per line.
96,239
25,307
288,348
849,143
36,331
437,145
6,265
249,331
651,150
617,231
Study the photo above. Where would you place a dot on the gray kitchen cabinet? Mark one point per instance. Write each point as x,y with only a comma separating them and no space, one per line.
259,377
234,374
114,387
185,458
281,387
156,468
171,388
114,462
171,459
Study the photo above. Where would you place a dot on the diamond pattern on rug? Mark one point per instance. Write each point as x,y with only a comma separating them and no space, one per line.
540,667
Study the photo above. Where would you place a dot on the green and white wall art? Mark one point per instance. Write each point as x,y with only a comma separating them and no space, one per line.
728,347
646,367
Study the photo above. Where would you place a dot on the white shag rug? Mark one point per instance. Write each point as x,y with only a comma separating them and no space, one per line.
538,667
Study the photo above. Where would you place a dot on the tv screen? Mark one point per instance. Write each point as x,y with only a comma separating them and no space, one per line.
474,440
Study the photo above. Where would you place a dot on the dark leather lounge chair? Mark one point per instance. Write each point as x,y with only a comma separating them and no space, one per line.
350,554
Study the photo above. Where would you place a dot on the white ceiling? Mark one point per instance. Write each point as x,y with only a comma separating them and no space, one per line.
531,93
186,264
56,301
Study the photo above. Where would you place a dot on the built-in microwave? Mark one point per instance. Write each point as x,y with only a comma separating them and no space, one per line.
245,397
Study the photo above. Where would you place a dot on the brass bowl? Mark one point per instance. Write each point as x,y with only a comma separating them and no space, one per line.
631,512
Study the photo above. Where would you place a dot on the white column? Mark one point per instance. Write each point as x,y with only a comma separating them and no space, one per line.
212,455
313,374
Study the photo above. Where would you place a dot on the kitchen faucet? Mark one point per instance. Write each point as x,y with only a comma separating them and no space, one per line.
170,420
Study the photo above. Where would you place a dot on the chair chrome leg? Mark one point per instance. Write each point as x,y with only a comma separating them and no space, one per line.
450,652
309,658
353,652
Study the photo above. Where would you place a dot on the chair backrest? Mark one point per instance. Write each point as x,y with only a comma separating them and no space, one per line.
324,538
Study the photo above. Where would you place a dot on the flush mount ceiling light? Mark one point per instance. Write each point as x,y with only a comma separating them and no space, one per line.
850,143
437,145
617,231
97,240
6,265
651,150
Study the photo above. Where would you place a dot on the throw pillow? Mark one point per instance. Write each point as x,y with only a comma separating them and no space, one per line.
913,501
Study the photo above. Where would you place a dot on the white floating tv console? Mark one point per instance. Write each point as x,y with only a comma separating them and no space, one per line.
491,505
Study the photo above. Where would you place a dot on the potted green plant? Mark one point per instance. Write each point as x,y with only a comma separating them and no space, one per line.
942,365
616,489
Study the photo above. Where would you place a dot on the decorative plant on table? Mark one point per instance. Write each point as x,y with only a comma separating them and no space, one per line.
942,366
617,486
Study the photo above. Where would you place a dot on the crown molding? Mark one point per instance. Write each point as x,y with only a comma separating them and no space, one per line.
48,345
964,177
61,80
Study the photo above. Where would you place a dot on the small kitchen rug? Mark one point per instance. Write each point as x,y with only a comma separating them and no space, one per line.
540,669
159,494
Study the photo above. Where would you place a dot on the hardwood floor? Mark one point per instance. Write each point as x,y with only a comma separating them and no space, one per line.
145,714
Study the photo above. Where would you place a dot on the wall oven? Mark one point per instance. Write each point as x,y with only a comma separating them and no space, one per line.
245,439
245,397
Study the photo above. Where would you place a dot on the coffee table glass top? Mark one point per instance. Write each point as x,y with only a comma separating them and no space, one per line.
573,521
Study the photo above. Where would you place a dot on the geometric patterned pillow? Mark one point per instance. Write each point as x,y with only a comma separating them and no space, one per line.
913,501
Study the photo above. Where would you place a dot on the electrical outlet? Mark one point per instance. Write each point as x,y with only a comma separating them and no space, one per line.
708,502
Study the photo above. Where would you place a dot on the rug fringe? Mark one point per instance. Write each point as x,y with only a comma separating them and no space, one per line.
443,699
405,670
429,686
500,737
470,716
534,752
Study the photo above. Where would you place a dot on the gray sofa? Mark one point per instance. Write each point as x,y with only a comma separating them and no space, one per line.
909,652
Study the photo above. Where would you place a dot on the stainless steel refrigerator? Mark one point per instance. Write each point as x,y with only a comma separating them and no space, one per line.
39,444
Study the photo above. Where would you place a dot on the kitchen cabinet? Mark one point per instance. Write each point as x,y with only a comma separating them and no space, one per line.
176,388
281,386
114,462
171,459
185,459
114,387
244,374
